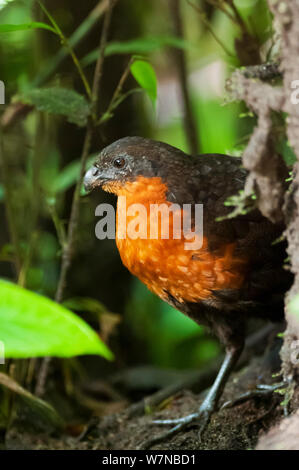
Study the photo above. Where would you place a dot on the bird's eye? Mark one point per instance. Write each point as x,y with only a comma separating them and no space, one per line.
119,162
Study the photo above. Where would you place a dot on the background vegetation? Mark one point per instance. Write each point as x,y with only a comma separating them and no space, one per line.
79,76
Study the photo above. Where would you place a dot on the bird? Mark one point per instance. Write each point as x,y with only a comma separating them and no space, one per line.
236,273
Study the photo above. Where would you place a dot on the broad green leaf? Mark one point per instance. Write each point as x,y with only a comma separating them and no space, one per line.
32,325
62,101
7,28
138,46
145,76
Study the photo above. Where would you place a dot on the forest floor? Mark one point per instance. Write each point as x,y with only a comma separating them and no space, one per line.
236,428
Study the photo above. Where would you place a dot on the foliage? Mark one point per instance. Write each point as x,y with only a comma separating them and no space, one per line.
140,46
145,75
242,203
43,153
7,28
61,101
32,325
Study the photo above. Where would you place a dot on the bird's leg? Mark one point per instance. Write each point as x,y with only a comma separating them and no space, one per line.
208,406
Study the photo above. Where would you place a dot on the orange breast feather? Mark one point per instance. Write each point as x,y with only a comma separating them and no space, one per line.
164,265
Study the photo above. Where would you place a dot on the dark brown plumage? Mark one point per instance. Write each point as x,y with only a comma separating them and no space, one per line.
238,272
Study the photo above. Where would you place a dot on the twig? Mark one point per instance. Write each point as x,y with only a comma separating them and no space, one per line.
99,65
17,111
14,236
179,55
116,95
202,17
59,226
68,46
75,39
36,160
238,17
246,44
68,250
220,5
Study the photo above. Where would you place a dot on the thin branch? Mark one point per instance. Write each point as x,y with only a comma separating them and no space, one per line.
238,17
18,111
202,17
59,225
68,46
14,236
68,250
36,161
99,65
117,94
75,39
179,55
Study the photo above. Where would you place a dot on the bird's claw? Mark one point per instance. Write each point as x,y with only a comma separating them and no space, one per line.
201,419
185,420
261,390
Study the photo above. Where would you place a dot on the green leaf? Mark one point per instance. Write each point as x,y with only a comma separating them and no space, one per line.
145,76
33,325
138,46
7,28
62,101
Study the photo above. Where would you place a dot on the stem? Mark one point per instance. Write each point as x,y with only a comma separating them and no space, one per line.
73,222
18,111
36,160
68,249
75,39
14,236
68,46
117,93
99,65
180,58
202,17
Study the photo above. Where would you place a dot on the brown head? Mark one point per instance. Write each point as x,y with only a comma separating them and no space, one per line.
131,158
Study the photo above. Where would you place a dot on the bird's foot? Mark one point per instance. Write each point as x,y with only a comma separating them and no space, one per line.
261,390
200,419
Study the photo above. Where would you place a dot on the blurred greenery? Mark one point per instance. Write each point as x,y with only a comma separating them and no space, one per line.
43,149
